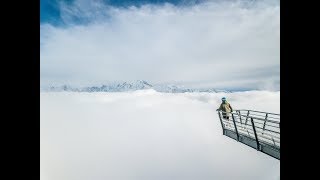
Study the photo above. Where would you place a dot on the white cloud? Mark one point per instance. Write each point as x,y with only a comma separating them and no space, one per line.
148,135
221,44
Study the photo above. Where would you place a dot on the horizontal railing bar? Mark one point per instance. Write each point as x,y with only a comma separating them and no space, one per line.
257,111
276,133
276,139
255,118
240,125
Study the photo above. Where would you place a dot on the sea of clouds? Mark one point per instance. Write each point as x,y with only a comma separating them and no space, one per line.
148,135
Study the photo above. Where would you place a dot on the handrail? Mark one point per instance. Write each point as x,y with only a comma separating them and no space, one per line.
264,133
257,111
276,122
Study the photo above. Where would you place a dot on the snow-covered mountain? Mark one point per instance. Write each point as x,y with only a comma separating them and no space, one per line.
132,86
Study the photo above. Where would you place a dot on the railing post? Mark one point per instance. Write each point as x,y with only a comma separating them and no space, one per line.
235,126
221,122
247,117
239,116
274,143
264,124
255,133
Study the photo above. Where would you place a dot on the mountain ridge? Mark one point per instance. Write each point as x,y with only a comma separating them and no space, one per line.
131,86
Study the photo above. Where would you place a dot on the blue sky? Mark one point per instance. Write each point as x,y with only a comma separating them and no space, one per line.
50,12
232,44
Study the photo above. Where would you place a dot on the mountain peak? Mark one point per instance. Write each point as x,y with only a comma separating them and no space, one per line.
133,86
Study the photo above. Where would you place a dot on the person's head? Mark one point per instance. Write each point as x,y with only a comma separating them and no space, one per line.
223,99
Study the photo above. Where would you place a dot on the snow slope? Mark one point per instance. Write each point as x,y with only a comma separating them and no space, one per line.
148,135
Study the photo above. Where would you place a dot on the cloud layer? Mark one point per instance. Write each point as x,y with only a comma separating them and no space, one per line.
220,44
148,135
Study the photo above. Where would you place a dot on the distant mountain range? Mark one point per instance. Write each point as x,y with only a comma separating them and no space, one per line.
131,86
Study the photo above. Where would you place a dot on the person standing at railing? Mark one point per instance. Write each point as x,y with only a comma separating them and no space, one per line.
226,108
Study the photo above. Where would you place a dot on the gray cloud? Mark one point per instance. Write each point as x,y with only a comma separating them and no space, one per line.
221,44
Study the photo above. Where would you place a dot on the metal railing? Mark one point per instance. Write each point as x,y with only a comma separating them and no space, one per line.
260,130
